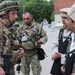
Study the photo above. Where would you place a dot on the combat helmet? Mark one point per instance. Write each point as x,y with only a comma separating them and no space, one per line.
7,5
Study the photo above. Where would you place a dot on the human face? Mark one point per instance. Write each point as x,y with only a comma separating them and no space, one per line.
63,20
70,25
27,19
13,15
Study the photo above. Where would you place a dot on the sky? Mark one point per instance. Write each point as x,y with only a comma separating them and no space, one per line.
48,0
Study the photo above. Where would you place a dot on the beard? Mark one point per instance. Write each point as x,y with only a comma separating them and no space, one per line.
28,24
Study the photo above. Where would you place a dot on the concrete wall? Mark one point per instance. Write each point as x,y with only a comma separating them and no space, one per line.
58,20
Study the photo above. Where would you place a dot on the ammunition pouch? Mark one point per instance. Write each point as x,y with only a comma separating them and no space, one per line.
16,42
14,56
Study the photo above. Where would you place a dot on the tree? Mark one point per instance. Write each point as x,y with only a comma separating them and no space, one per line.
42,10
1,1
39,8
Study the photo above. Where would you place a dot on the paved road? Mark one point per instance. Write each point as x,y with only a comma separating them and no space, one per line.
47,63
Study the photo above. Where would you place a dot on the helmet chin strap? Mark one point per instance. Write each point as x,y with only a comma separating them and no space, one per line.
9,21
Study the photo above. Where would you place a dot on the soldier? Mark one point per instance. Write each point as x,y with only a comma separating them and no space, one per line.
10,51
32,38
69,65
62,44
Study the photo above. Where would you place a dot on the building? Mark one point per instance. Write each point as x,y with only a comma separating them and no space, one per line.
59,4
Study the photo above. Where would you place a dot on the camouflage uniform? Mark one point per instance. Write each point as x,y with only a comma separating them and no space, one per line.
8,37
31,34
9,45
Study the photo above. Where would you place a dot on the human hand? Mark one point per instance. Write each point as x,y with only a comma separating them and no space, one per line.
2,71
73,73
39,42
59,54
20,54
62,69
56,56
37,45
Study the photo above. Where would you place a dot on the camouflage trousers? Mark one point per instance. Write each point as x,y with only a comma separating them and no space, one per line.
32,61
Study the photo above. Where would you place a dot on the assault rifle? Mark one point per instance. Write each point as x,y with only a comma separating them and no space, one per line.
11,43
7,57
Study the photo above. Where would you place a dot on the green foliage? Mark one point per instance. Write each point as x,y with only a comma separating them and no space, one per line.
1,1
52,17
39,8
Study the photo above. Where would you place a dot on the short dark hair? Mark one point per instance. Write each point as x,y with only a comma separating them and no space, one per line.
28,13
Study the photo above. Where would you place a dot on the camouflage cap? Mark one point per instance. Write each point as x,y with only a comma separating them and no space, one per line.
8,5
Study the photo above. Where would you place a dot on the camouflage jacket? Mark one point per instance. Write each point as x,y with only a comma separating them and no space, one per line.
8,43
30,35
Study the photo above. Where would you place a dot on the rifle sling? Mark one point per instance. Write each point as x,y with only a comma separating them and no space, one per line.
1,32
